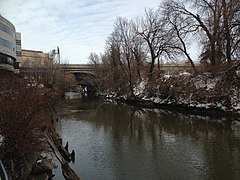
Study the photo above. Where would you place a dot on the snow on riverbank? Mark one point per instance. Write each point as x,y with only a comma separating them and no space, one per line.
202,91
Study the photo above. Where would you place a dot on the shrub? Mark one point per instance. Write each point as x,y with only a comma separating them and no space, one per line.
20,127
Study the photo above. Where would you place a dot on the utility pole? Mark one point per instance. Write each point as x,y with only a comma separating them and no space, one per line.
58,55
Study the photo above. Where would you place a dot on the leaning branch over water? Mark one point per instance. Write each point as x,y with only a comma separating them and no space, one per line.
67,172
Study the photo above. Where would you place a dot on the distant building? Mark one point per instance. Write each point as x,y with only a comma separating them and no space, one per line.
34,59
31,58
36,66
7,44
12,55
18,45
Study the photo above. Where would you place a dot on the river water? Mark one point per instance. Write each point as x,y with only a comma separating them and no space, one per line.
119,142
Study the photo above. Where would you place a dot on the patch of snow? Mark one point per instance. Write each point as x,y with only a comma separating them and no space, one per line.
1,139
204,105
193,104
200,84
185,74
39,161
144,98
218,105
238,73
211,83
236,123
235,100
111,95
224,108
207,74
167,76
237,107
157,100
140,88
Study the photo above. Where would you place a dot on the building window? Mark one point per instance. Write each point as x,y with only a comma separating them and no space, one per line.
18,53
7,44
18,42
7,30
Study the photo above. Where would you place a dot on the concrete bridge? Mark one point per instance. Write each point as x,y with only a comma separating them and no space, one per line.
89,68
77,68
84,73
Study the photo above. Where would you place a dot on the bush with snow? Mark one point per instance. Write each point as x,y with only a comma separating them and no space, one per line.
202,91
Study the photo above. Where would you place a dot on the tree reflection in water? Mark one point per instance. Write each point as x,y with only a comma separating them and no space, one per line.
124,142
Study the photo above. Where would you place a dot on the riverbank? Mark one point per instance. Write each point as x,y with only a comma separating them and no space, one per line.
217,95
23,125
214,112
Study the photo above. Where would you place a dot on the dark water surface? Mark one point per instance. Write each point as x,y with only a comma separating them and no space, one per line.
119,142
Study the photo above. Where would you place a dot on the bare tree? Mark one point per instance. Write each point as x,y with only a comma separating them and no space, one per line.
121,55
207,24
114,57
122,62
182,30
112,79
125,34
156,36
217,21
138,49
94,58
231,27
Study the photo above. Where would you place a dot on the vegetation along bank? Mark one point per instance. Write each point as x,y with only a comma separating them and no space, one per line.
137,52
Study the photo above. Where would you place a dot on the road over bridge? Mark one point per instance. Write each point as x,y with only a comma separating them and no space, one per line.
172,68
77,68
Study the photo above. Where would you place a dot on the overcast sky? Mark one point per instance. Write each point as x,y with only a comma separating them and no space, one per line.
78,27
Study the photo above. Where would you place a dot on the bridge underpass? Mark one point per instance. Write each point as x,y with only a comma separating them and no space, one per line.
84,74
86,81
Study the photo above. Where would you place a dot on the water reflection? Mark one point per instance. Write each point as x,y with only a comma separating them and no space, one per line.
115,141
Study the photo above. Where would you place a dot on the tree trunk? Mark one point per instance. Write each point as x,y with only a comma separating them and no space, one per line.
227,33
212,53
153,57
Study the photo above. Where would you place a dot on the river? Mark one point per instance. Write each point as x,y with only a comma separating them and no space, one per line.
119,142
